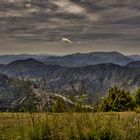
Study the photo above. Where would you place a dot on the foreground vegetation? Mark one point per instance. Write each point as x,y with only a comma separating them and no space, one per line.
100,121
70,126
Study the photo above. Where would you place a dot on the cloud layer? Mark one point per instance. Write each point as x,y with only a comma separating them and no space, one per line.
112,22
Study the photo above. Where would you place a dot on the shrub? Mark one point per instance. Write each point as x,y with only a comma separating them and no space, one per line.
60,106
117,100
137,97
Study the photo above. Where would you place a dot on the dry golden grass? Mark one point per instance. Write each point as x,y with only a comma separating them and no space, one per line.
70,126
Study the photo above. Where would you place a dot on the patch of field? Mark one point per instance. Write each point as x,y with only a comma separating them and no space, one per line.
70,126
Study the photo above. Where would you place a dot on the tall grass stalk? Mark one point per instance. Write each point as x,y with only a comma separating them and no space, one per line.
70,126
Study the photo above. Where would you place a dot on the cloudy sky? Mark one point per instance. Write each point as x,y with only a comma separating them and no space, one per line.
38,26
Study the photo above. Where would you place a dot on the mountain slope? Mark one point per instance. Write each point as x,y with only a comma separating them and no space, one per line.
5,59
79,59
3,81
1,66
28,67
134,64
97,78
134,57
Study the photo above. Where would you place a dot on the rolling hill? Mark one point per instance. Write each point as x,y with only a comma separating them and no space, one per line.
85,59
72,60
97,78
134,64
28,67
134,57
5,59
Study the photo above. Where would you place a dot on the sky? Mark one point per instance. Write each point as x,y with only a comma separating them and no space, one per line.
38,26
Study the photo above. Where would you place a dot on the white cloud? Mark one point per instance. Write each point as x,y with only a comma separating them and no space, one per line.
28,5
72,8
11,13
69,7
14,1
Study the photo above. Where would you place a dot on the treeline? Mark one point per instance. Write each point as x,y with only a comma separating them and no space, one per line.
119,100
22,98
116,100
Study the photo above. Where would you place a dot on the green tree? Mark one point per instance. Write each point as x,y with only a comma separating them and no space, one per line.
137,97
81,97
60,106
22,96
117,100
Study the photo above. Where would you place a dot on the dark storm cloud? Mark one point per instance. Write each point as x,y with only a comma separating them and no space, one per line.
81,20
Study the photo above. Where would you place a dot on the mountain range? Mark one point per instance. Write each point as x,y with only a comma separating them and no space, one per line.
98,77
75,60
134,57
134,64
5,59
85,59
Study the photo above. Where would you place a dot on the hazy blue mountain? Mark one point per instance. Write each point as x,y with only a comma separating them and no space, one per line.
134,64
98,78
134,57
28,67
5,59
3,80
84,59
73,60
1,66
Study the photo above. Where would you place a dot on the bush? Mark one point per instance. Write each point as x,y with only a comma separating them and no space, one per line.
60,106
137,97
117,100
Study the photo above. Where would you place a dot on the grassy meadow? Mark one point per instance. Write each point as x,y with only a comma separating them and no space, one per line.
70,126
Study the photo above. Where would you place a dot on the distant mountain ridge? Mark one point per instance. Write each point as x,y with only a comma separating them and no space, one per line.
73,60
85,59
134,64
134,57
5,59
26,67
98,70
97,78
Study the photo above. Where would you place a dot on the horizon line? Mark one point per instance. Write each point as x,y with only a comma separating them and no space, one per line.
63,54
